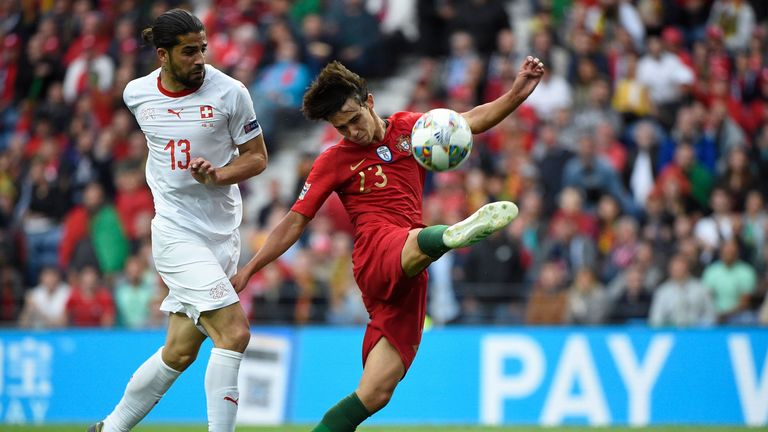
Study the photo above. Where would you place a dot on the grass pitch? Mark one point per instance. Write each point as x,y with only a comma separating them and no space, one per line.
307,428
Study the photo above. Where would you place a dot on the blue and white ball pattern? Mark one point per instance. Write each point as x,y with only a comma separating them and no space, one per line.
441,140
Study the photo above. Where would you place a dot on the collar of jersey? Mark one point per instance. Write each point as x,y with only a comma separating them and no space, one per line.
173,94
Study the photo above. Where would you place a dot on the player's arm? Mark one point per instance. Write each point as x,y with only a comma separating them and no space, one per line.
282,237
483,117
251,162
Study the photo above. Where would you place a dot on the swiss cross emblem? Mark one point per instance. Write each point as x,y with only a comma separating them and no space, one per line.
206,111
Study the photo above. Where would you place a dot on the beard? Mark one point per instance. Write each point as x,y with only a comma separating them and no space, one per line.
191,79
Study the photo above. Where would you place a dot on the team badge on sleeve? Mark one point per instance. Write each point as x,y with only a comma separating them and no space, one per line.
206,112
304,190
384,153
251,126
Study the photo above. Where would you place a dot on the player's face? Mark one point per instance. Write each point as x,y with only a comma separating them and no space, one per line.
356,122
185,62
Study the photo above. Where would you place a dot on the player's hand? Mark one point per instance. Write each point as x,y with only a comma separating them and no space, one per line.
240,279
202,171
530,74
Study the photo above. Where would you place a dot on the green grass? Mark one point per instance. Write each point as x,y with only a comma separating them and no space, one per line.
188,428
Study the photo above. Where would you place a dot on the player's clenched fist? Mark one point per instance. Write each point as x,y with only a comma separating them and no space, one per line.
202,171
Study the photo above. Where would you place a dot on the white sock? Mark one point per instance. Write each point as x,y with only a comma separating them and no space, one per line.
221,389
147,385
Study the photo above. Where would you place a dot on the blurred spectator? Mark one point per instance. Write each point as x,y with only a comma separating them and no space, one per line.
548,302
666,78
90,71
90,303
694,181
551,159
731,283
483,20
624,249
736,19
681,301
643,162
712,230
587,300
357,34
134,294
42,204
738,178
607,16
133,201
45,305
593,176
632,98
279,89
634,301
11,293
93,230
493,276
318,46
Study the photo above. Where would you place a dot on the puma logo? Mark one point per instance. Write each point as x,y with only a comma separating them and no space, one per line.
234,401
354,167
176,113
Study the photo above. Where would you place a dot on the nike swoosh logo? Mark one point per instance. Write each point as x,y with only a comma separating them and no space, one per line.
354,167
234,401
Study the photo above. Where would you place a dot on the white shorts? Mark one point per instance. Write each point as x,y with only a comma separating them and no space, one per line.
196,269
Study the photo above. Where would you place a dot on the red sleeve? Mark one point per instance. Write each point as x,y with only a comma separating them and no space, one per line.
321,181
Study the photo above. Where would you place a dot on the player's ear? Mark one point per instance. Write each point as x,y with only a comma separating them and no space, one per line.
369,100
163,54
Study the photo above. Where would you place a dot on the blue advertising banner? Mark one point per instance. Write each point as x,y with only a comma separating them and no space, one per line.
551,376
78,376
462,375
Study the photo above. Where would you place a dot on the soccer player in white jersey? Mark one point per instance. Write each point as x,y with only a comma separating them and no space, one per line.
203,138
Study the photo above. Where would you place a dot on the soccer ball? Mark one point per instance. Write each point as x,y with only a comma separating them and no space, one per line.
441,140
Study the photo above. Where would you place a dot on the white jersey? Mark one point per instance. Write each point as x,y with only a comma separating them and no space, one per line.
209,122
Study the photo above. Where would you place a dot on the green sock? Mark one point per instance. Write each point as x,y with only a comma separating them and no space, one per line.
430,241
344,416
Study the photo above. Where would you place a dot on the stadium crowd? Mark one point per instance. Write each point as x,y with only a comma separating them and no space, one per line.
636,163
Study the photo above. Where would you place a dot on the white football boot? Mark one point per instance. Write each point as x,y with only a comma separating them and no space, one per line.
485,221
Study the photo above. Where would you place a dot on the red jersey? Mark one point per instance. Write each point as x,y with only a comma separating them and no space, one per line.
380,183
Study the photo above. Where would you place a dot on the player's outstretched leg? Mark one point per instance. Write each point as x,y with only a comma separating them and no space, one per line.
485,221
436,240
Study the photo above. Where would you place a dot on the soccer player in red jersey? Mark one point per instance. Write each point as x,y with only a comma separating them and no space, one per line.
380,185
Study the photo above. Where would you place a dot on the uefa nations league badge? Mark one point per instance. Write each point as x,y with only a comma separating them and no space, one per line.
384,153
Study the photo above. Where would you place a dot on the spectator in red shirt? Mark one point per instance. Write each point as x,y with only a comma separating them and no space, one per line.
90,303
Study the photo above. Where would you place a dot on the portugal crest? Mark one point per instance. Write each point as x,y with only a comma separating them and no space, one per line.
404,143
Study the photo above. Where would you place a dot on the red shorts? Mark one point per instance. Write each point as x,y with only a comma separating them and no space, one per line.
396,303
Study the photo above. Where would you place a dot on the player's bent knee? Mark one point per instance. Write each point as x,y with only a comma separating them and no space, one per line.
235,338
379,399
179,360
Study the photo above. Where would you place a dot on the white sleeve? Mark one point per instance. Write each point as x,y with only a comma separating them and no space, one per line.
127,99
243,125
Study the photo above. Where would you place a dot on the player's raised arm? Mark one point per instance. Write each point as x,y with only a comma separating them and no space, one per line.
282,237
483,117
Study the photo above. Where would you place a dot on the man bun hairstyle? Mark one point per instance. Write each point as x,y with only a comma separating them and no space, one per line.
165,30
331,89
